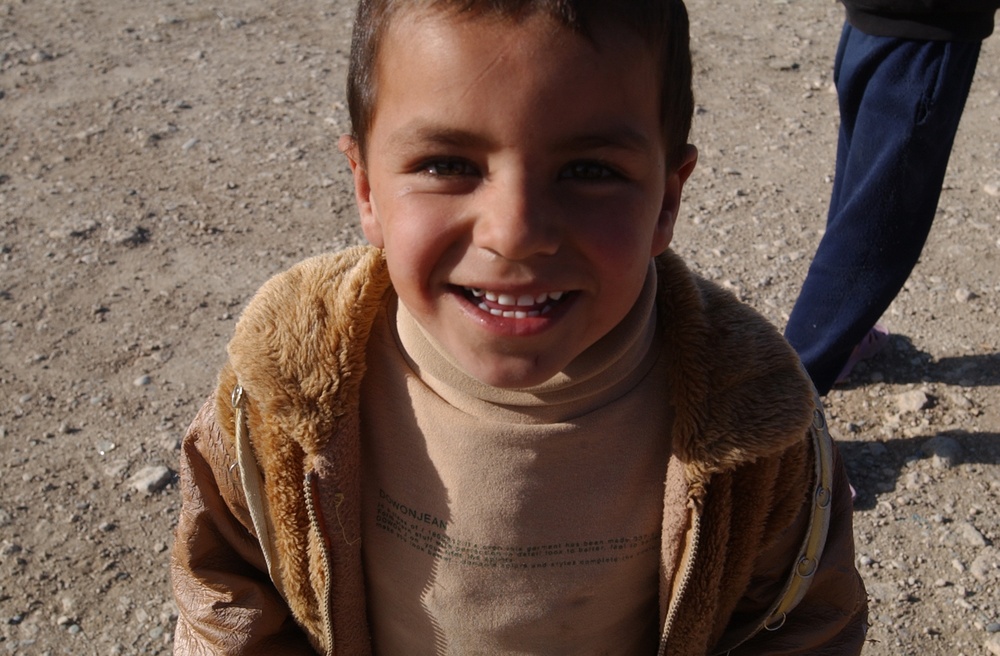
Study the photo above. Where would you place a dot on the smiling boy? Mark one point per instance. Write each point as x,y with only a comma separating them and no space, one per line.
515,423
546,198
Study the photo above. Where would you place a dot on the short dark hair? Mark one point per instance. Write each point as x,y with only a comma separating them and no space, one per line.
662,24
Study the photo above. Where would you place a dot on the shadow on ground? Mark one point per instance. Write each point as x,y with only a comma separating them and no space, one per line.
875,467
901,363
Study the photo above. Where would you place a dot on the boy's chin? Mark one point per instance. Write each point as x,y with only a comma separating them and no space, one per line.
510,373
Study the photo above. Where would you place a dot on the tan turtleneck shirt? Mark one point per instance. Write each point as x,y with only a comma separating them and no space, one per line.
500,521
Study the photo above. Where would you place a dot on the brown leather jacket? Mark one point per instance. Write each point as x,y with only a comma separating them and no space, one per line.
267,555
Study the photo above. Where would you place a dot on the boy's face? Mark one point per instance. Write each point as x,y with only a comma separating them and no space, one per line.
516,177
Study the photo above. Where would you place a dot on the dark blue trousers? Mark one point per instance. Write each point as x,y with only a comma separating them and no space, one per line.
900,105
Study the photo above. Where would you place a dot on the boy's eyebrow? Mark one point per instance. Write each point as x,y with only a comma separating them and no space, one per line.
422,134
616,137
624,137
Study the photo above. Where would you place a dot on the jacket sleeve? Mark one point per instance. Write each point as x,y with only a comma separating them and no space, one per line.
832,618
225,599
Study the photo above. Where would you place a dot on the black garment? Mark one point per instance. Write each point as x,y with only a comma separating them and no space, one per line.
929,20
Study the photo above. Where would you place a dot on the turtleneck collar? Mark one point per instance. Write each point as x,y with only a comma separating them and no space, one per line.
605,371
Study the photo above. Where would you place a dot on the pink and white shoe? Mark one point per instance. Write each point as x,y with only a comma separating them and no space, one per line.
873,342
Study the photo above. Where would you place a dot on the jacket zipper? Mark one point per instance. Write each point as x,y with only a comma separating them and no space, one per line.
317,525
675,603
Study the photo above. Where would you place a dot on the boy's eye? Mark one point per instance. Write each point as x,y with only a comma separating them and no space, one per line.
447,168
588,171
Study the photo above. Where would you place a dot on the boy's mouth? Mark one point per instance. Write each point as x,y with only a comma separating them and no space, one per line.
513,306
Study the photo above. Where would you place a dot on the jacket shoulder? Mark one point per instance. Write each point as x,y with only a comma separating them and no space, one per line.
298,347
740,390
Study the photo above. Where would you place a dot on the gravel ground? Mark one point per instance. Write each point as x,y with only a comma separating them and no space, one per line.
158,164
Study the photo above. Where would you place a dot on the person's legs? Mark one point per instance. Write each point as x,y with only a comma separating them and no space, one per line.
900,104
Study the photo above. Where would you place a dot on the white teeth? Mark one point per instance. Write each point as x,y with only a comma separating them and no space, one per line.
524,300
545,300
512,314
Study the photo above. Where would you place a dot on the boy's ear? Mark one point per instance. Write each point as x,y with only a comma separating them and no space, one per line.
362,191
672,200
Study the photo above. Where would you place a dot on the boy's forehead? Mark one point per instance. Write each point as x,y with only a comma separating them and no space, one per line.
437,23
429,21
440,72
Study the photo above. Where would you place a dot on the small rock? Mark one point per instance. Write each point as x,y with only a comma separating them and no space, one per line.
986,565
993,627
40,56
993,645
151,479
916,480
142,380
231,22
10,548
970,534
127,236
912,401
116,468
783,65
959,400
963,295
877,449
945,451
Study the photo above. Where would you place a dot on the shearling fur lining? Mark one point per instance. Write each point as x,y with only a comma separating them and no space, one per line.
298,351
723,356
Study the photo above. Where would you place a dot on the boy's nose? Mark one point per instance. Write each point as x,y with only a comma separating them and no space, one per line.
514,223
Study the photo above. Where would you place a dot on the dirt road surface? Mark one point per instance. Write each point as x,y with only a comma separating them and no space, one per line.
158,163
